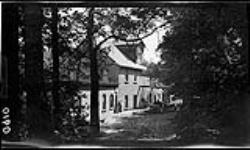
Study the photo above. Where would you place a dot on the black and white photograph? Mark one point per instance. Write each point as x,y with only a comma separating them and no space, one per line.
122,74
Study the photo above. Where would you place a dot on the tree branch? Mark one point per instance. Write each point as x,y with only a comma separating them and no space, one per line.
103,41
80,44
123,39
100,14
131,40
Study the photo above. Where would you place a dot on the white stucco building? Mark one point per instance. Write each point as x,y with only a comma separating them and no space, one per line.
123,85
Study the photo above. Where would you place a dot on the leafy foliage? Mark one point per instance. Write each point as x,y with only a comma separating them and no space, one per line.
73,114
204,54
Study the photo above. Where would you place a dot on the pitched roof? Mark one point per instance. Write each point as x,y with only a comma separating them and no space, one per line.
129,49
116,55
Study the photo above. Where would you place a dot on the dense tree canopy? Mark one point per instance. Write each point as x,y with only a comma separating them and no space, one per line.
204,53
116,23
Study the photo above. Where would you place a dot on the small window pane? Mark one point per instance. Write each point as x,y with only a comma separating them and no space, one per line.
126,77
104,102
126,100
111,101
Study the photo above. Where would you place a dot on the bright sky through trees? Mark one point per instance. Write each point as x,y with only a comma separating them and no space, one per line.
151,42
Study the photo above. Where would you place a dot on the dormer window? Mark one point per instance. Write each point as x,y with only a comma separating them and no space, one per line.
104,103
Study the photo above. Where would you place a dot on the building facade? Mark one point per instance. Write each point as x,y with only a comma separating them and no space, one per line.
122,84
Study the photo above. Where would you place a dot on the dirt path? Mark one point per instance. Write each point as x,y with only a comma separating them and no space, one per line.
139,125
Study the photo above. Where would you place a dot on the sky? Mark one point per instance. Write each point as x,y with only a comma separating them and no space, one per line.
152,43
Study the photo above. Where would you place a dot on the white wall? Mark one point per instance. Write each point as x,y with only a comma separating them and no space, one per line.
102,114
140,80
158,93
130,88
144,80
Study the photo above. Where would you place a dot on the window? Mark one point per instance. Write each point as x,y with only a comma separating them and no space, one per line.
104,102
126,101
150,97
135,78
111,101
115,99
126,78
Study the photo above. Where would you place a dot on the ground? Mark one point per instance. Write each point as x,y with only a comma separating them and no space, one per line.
135,128
139,125
138,128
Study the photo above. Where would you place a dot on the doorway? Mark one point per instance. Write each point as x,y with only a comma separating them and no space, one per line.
135,101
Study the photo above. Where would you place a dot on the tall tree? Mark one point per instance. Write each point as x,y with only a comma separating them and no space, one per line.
205,54
55,53
38,116
94,106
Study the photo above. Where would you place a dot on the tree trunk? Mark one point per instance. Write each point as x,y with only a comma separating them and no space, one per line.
94,106
55,90
247,102
11,101
38,121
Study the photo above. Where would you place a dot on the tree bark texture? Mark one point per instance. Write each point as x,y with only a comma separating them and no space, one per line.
94,106
37,111
55,52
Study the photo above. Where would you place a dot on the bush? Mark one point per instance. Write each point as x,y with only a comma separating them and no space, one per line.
74,124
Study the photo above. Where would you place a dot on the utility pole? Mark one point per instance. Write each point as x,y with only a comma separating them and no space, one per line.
94,86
